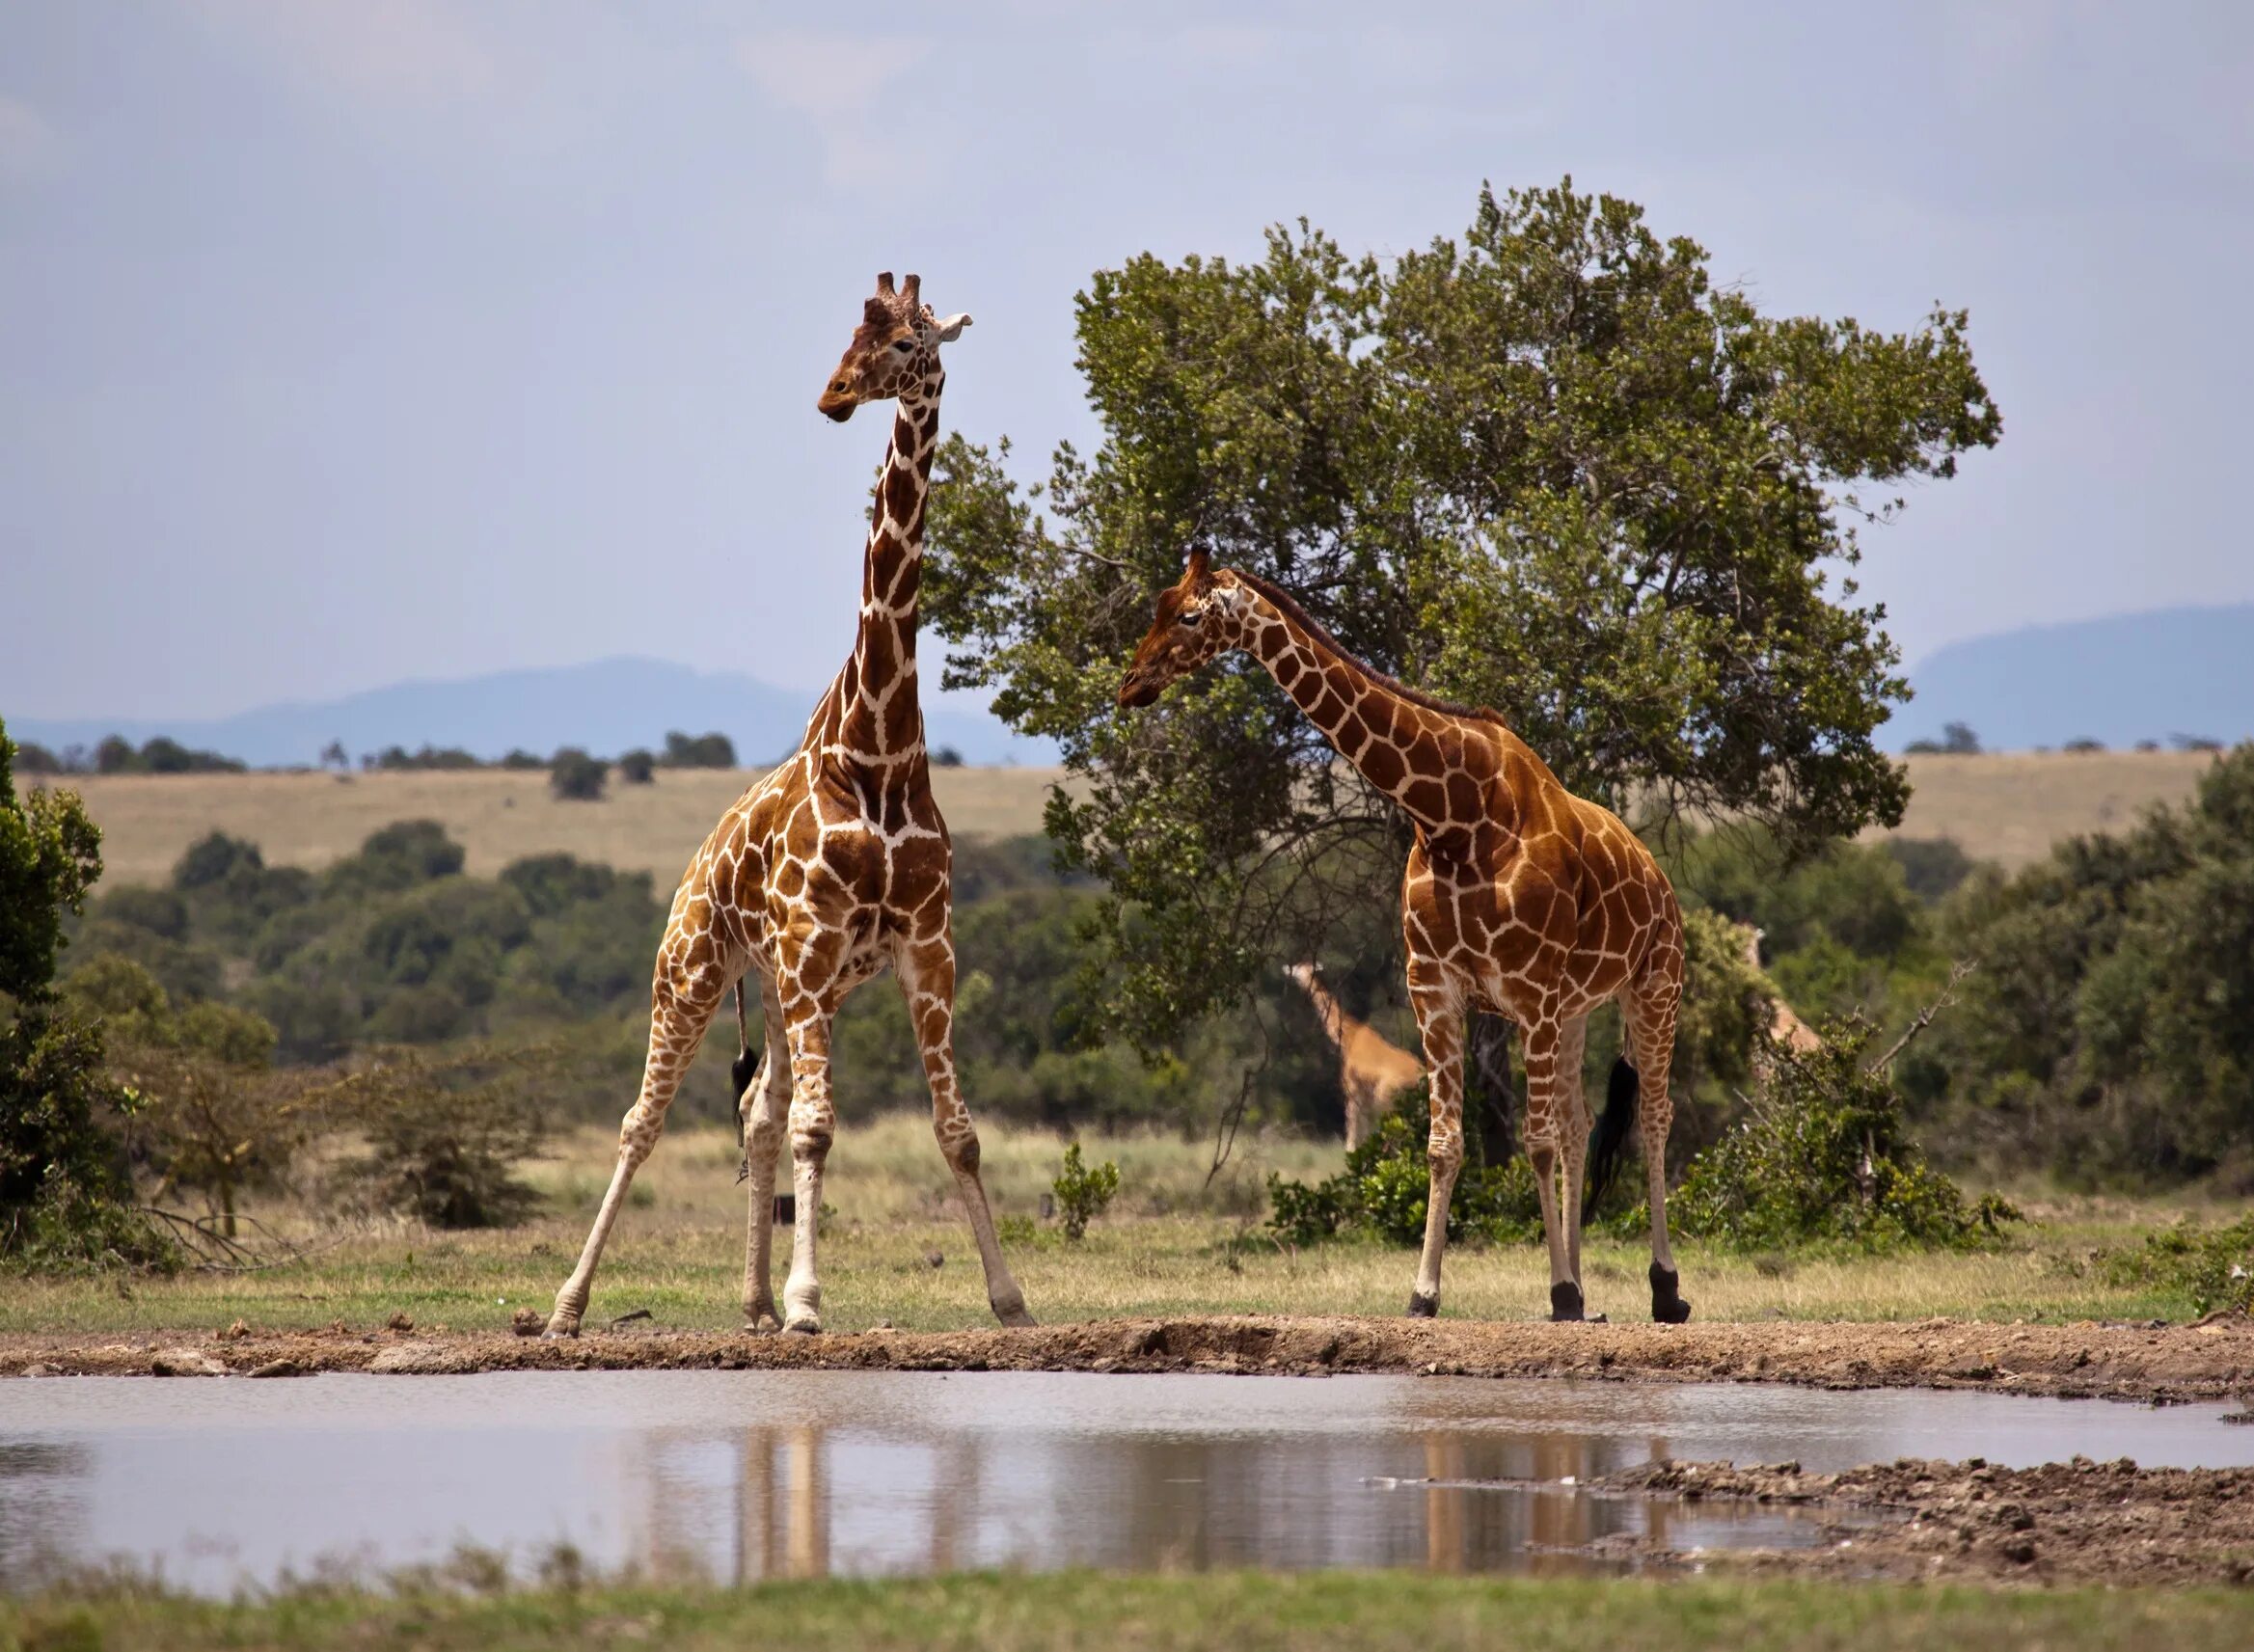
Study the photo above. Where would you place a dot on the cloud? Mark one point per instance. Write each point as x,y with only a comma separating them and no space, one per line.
838,82
29,150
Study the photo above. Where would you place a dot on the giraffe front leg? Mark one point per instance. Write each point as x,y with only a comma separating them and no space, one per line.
927,981
1440,1020
764,1106
813,1126
1544,1128
1573,1133
677,1024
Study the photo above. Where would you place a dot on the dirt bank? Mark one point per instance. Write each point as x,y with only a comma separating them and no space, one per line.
2078,1522
2112,1362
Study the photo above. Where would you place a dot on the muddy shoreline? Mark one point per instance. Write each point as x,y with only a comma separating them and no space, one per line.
2151,1363
2079,1522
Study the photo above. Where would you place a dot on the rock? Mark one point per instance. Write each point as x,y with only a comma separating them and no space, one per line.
527,1322
935,1260
398,1322
280,1368
184,1361
236,1332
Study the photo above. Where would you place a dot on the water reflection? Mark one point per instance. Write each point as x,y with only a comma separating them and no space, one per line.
750,1475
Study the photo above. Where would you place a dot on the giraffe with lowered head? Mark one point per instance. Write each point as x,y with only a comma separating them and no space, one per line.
1519,897
1372,1069
832,866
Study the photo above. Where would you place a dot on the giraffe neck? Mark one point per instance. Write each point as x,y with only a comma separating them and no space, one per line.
1326,1010
1376,729
876,719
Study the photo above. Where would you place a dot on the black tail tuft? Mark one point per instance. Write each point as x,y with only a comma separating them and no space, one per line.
1610,1141
743,1070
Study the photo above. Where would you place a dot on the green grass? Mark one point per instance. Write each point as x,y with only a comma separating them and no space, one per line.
1242,1612
1173,1245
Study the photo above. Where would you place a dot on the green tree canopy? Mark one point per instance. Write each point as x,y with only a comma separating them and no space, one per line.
1551,467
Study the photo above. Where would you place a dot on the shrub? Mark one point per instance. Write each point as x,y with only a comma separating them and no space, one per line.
2213,1266
577,778
1823,1158
704,752
445,1135
1081,1194
638,767
1386,1188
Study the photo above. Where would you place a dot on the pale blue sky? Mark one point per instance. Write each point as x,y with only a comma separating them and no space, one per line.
342,342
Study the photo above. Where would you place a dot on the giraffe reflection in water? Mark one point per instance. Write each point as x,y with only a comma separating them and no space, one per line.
805,1500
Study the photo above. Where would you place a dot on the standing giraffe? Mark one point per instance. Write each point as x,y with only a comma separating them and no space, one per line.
832,866
1519,897
1372,1069
1786,1027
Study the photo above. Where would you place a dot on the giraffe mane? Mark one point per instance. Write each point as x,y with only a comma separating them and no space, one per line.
1288,606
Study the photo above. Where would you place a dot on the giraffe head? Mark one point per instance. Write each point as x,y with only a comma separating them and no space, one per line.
1196,619
894,351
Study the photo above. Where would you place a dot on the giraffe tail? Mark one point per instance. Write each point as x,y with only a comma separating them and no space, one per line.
742,1071
1610,1141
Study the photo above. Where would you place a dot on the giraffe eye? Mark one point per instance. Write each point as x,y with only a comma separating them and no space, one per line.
904,345
1193,617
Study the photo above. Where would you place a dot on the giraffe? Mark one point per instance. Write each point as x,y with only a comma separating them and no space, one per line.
1518,898
1786,1027
829,867
1372,1069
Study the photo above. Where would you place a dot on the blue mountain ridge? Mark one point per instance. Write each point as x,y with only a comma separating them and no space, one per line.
607,706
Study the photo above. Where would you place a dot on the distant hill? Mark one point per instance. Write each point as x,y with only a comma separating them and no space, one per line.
2137,676
609,706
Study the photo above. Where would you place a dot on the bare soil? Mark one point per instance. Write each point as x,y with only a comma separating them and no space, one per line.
2146,1363
2064,1523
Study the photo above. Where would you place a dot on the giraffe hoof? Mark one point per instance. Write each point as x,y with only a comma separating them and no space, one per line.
560,1330
1422,1306
1017,1318
1668,1306
807,1327
762,1322
1566,1302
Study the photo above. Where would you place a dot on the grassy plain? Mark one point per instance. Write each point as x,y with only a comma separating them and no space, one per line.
496,815
1172,1246
1241,1611
2008,808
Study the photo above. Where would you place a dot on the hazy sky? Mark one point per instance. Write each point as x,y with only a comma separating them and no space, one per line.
344,340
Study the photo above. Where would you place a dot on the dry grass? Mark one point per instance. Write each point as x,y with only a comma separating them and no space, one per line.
2012,807
498,816
2005,808
1172,1246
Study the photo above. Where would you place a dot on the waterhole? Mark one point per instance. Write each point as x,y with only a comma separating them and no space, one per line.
740,1475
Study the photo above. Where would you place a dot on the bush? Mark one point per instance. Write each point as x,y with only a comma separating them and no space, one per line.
445,1135
1081,1194
577,778
1823,1158
2214,1267
1386,1189
638,767
705,751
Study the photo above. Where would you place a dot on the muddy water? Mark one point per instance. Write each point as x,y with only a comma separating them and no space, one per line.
746,1475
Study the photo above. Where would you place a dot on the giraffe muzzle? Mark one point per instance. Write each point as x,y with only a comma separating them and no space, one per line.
835,406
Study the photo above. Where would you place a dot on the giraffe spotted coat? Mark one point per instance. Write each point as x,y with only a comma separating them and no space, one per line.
833,866
1518,897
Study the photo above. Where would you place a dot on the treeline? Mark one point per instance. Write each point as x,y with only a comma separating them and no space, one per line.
2105,1032
164,755
1960,740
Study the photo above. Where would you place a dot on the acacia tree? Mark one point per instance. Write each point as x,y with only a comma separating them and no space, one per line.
1552,468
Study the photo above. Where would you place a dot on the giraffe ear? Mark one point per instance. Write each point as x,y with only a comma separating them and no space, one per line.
951,328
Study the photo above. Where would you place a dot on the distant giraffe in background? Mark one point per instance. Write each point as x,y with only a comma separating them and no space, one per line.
833,865
1519,897
1786,1027
1372,1069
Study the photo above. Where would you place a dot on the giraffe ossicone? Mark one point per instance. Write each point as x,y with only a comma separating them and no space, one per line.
831,867
1518,898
